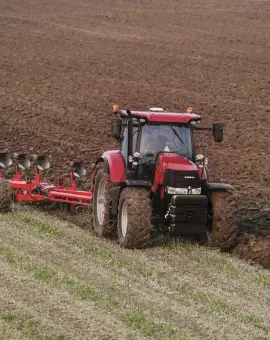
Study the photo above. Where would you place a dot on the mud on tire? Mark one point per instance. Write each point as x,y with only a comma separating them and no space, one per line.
5,196
134,218
102,225
224,230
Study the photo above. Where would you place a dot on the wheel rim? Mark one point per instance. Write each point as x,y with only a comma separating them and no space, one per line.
124,219
101,199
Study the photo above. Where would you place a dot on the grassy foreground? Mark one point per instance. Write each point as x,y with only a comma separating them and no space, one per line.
60,282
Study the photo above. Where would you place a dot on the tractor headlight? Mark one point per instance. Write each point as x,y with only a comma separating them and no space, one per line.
177,191
183,191
196,191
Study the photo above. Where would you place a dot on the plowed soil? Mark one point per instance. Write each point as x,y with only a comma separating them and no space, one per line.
64,63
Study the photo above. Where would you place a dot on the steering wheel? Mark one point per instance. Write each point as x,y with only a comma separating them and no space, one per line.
149,157
150,154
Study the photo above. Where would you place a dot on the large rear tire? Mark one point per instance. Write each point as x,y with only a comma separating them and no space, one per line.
5,196
224,229
102,197
134,218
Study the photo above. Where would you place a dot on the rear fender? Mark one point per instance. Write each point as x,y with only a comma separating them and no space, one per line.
215,187
219,187
114,165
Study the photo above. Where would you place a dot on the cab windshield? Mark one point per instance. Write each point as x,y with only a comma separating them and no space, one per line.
167,138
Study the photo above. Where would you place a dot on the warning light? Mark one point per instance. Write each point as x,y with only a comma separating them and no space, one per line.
115,107
189,110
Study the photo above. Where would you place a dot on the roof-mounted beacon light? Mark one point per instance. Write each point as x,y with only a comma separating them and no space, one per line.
156,109
115,108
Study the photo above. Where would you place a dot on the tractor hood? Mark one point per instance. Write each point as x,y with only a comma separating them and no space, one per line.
174,161
176,171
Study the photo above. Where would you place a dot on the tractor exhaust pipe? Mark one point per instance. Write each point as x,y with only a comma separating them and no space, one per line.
130,140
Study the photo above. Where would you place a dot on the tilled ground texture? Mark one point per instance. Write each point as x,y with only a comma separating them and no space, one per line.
59,282
63,63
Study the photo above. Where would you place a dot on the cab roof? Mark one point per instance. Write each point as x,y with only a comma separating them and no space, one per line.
164,117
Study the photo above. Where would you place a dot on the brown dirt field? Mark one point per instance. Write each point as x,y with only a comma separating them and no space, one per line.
63,64
255,249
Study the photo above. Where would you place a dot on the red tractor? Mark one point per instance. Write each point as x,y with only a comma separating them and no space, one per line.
156,180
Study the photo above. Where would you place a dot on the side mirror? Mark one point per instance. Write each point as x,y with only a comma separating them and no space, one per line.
116,128
218,129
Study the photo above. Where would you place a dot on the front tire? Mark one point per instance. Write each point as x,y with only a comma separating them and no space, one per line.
102,197
134,218
224,229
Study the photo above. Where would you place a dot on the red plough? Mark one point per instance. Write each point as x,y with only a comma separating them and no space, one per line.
37,189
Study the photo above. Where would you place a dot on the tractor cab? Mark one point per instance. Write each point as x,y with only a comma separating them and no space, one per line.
145,135
153,138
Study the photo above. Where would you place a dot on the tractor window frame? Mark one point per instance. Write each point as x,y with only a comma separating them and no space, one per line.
188,126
